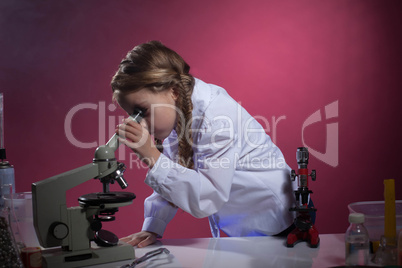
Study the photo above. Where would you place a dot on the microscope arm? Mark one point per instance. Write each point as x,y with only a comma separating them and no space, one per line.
49,204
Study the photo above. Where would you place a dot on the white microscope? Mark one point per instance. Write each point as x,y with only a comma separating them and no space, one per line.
73,236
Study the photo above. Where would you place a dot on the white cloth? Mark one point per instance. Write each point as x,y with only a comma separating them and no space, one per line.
240,180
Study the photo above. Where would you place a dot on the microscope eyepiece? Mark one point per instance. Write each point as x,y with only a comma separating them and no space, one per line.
137,115
302,156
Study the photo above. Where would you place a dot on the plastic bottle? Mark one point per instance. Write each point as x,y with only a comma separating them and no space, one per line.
357,245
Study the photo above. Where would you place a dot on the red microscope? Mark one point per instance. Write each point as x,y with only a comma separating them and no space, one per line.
305,229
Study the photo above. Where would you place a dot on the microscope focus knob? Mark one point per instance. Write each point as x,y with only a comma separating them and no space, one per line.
293,175
313,175
59,230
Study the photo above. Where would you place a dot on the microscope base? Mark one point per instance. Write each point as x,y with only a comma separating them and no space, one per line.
55,257
310,236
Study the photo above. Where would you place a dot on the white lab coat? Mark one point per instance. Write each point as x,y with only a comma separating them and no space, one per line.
240,180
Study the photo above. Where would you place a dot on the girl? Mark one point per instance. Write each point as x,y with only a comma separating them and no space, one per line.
208,156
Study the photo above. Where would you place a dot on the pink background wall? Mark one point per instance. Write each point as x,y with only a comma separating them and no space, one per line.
285,61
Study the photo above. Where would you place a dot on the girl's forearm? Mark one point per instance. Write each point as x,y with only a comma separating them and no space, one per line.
151,158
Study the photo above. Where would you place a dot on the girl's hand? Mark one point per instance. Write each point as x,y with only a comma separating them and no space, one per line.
137,137
141,239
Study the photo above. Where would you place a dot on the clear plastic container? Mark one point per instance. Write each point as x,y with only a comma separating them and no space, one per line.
357,245
374,216
21,222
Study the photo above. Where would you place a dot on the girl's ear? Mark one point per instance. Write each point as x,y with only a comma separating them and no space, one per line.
175,93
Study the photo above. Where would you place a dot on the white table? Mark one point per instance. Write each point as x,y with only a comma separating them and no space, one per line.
242,252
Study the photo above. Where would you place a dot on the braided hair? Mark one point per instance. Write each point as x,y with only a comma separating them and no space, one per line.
157,68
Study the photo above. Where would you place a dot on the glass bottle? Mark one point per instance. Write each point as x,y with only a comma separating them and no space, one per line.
357,245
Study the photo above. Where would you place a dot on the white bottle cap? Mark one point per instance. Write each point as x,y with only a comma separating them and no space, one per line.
356,217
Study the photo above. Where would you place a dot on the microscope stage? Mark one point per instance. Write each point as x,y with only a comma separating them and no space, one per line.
97,199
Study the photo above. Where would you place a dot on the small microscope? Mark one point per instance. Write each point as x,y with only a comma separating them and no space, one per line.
73,236
305,229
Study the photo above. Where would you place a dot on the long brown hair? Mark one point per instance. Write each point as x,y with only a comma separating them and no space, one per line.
156,67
